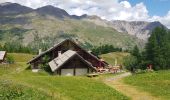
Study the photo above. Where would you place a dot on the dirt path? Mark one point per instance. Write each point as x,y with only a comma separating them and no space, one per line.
130,91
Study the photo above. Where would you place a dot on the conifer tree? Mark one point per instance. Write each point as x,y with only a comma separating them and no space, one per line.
156,48
136,53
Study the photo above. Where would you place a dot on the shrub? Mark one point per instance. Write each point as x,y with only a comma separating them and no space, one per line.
10,59
130,62
10,91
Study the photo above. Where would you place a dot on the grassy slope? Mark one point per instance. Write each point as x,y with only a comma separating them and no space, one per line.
63,88
11,90
72,88
84,30
110,57
156,83
20,63
21,57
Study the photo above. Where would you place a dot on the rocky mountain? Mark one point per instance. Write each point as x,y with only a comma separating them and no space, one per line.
139,29
56,12
13,9
48,25
53,11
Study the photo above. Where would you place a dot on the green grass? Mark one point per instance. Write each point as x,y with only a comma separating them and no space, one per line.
10,91
110,57
20,63
71,88
57,87
8,68
156,83
21,57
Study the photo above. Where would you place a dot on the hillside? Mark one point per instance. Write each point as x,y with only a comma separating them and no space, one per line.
138,29
49,25
111,57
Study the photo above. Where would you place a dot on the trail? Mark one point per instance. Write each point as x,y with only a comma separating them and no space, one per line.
128,90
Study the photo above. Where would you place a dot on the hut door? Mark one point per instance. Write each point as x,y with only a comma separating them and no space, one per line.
67,72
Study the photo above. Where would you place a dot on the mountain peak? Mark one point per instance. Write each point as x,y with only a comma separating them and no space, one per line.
5,3
79,17
51,10
94,17
57,12
156,22
48,6
9,8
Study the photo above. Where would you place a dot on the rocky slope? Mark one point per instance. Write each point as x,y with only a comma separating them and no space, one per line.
139,29
13,9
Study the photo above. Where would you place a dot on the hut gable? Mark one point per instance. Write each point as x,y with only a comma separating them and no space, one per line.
70,60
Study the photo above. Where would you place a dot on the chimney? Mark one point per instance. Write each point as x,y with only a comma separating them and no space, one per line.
59,53
77,41
89,51
40,51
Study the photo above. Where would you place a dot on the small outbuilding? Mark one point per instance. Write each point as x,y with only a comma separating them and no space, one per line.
2,56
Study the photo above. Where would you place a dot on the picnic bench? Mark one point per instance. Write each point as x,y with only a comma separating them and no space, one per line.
92,75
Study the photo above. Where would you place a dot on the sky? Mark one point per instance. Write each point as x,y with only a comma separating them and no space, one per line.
155,7
129,10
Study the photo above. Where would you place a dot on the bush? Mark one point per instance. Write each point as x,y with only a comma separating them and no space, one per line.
139,71
130,63
10,59
45,65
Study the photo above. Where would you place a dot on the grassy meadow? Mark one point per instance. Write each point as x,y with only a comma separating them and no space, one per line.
11,91
20,83
156,83
17,83
21,57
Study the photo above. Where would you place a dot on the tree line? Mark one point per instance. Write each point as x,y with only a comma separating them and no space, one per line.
97,50
156,53
16,47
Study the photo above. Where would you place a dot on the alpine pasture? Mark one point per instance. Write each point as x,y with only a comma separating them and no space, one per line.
50,87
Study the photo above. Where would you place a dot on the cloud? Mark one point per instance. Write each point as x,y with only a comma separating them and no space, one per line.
29,3
110,9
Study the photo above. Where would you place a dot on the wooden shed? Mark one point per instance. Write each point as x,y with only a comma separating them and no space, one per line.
2,56
68,58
